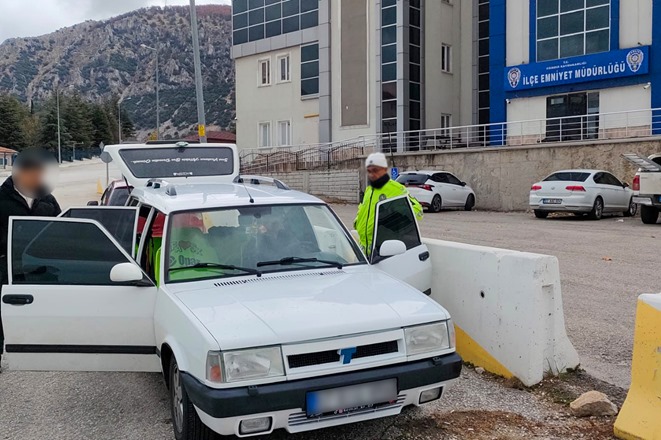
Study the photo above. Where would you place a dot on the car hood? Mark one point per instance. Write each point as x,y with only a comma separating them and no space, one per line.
302,306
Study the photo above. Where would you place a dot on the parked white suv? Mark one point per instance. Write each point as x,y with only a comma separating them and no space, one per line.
253,300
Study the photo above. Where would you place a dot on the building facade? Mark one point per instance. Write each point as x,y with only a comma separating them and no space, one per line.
573,68
319,71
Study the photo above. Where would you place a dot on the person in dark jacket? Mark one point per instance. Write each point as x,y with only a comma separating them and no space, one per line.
24,193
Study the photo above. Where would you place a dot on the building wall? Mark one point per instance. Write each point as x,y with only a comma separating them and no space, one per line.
340,131
517,29
636,19
334,186
277,102
448,93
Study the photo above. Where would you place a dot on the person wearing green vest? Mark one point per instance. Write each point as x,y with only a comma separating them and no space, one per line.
381,187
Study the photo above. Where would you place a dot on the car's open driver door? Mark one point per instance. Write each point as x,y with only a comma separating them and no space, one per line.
395,220
63,311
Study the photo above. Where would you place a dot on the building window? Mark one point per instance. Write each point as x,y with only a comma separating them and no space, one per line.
264,134
310,70
415,66
446,58
254,20
572,117
284,133
568,28
446,123
265,72
284,71
483,70
388,66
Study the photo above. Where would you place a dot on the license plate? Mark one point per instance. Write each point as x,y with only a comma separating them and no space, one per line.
551,201
350,399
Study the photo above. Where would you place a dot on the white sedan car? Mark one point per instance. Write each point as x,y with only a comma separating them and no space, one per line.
438,190
592,192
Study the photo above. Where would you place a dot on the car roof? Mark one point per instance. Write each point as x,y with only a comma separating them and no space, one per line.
173,198
429,172
581,171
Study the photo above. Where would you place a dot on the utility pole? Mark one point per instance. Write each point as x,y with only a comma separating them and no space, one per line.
158,90
199,90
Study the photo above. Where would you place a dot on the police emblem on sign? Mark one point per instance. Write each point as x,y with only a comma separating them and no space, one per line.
635,59
514,76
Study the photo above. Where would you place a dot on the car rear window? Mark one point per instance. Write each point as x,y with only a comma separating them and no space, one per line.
152,163
567,177
413,179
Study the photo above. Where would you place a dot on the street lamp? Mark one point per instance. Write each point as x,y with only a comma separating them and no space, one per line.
59,125
158,102
199,90
119,116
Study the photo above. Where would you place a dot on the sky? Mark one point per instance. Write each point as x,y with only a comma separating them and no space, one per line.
30,18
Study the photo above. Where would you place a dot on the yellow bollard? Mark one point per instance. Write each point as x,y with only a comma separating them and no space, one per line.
99,187
640,417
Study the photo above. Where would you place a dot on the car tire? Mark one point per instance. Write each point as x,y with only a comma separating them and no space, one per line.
470,203
541,214
436,204
649,215
597,209
185,421
633,209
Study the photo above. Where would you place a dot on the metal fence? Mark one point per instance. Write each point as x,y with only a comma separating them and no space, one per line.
579,128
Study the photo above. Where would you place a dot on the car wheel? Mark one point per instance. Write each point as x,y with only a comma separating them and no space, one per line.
436,204
185,421
633,209
597,209
470,203
541,214
649,215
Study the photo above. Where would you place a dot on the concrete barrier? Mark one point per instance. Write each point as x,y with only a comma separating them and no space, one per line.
507,309
640,417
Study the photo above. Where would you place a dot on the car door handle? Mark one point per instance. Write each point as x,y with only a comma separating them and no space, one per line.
18,300
424,256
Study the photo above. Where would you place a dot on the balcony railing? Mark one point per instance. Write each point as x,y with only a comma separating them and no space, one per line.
580,128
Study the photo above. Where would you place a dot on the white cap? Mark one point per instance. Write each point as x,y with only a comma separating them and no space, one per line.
376,160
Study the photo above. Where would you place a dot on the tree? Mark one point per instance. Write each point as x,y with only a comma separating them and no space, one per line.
128,129
12,115
101,126
76,116
48,130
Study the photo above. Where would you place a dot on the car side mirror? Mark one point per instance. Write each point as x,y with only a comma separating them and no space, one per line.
93,203
390,248
625,185
463,183
126,273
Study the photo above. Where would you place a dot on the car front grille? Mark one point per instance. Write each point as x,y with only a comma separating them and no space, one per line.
333,356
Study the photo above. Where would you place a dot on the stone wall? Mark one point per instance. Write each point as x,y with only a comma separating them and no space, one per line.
501,177
335,185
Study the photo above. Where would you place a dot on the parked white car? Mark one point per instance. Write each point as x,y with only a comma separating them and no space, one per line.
591,192
255,303
437,190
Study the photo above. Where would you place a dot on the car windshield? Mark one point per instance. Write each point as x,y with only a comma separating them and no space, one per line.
413,179
254,240
567,176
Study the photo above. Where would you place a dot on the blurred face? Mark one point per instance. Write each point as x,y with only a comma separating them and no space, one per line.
375,173
30,180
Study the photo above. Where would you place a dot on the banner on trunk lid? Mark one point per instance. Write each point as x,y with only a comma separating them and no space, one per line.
152,163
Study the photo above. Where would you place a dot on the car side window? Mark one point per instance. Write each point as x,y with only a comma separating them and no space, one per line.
62,252
612,180
453,180
395,221
441,178
599,178
120,222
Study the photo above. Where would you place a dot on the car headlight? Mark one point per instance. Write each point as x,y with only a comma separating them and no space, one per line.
240,365
429,338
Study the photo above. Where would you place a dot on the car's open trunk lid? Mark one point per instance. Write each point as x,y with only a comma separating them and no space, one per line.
180,163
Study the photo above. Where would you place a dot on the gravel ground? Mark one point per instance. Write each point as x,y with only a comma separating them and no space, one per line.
604,266
117,406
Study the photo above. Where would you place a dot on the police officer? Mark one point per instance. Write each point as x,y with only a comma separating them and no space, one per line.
381,187
25,193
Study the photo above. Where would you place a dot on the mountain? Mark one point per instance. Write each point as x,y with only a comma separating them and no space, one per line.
99,59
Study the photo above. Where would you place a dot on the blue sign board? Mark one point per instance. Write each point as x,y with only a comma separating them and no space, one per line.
394,173
594,67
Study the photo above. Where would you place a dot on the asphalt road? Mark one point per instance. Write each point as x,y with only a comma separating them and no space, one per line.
604,266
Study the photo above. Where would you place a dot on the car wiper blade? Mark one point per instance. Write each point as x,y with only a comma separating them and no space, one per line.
219,266
288,261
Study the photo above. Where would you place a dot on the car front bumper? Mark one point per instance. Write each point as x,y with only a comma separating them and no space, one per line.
222,410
